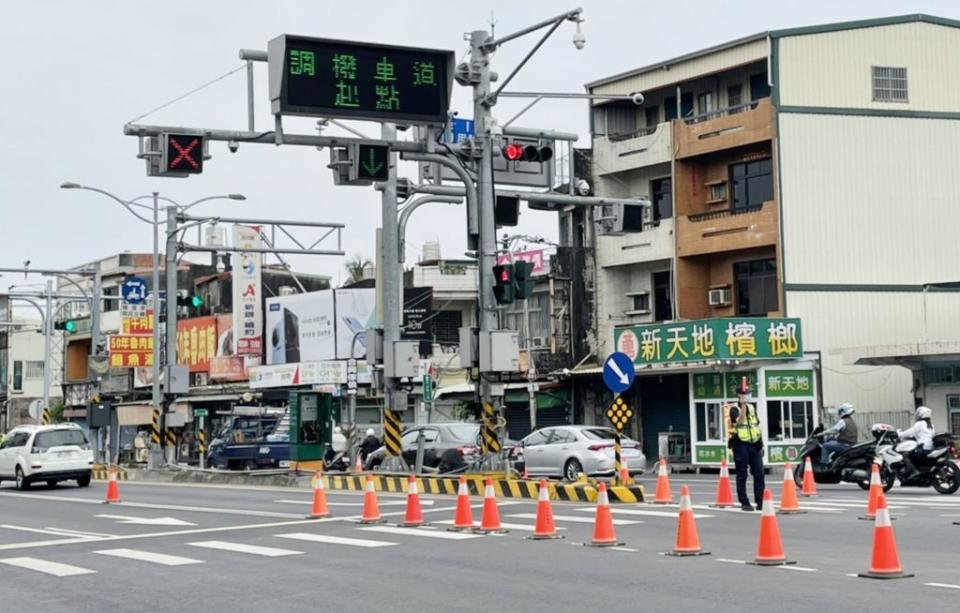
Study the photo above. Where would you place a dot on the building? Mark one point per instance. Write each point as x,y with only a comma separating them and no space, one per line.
803,173
23,383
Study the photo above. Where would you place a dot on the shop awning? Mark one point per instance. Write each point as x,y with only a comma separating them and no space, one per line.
549,398
906,355
688,367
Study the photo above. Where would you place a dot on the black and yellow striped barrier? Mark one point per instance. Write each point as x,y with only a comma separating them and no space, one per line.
504,488
100,473
202,441
490,443
391,432
155,428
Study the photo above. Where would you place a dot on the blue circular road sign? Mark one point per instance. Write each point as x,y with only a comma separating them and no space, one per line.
134,290
618,373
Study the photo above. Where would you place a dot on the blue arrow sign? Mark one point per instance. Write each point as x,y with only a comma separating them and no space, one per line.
134,290
461,129
618,373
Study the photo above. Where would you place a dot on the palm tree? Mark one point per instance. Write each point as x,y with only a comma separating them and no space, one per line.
355,268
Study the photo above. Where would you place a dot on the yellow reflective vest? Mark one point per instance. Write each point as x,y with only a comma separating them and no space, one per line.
747,427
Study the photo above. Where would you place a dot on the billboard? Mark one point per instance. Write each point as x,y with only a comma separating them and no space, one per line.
226,365
538,257
196,342
247,321
321,372
417,313
355,311
300,328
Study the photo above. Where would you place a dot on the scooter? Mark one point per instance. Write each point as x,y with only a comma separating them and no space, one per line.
851,465
936,468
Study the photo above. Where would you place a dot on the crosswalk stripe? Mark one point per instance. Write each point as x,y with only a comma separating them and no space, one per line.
51,568
504,525
670,514
335,540
148,556
452,536
574,519
270,552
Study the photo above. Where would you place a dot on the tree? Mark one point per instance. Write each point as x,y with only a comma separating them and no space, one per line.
355,267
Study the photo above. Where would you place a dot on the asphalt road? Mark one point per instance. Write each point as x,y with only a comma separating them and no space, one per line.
179,547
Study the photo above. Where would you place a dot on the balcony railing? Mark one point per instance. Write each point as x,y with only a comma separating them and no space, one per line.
621,136
724,112
710,215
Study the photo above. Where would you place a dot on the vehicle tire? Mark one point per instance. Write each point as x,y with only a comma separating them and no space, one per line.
249,465
83,481
887,478
798,472
572,469
22,482
946,477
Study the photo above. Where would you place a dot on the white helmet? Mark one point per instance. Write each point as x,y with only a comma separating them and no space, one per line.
370,432
924,413
845,409
337,430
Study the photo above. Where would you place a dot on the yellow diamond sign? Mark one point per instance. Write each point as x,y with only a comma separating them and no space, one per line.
619,413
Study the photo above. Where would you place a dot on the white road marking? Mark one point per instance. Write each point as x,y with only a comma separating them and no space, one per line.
451,536
65,532
623,549
270,552
949,586
802,569
147,521
51,568
148,556
728,561
392,503
504,525
50,531
335,540
579,520
619,511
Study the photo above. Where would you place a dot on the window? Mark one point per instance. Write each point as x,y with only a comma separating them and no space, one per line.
111,305
561,437
756,283
735,96
464,432
752,184
18,440
945,374
535,310
662,190
718,192
410,438
618,120
34,370
889,84
536,438
641,302
662,296
670,107
59,438
652,116
789,420
709,422
953,412
18,375
446,327
759,87
599,434
705,103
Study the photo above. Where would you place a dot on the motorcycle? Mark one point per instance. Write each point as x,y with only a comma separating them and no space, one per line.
851,465
936,467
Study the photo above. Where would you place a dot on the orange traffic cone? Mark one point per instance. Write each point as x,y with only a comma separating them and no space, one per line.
789,505
724,494
885,562
371,510
876,491
663,495
624,472
770,547
463,516
809,485
603,533
688,541
319,498
113,489
358,466
414,514
544,527
490,521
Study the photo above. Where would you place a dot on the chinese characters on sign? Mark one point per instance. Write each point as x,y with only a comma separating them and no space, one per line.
711,339
127,351
539,258
196,342
136,319
789,383
247,311
716,386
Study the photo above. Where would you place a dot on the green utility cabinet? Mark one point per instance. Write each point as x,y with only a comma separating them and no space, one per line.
310,425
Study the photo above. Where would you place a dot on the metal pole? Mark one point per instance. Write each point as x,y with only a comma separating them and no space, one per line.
155,303
250,121
171,285
47,333
95,307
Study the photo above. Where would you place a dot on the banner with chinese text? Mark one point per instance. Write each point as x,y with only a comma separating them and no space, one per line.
788,383
128,351
196,342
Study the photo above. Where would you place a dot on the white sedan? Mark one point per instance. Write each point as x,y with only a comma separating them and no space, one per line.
567,451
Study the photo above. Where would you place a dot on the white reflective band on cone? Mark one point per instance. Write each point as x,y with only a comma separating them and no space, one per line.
787,472
767,508
685,504
875,476
370,487
463,490
412,488
724,471
544,493
883,518
488,492
663,469
602,499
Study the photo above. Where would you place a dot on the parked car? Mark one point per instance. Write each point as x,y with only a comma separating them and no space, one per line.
446,447
53,453
567,451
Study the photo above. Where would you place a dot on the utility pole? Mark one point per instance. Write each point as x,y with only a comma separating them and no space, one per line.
47,334
170,285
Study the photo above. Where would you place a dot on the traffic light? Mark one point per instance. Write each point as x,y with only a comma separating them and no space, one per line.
69,326
503,287
523,279
520,152
506,211
182,154
371,163
194,301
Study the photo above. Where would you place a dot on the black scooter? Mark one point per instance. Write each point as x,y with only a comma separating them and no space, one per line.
851,465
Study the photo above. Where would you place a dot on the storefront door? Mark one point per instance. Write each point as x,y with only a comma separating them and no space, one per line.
664,407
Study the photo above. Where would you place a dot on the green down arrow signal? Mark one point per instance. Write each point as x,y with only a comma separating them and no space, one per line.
373,162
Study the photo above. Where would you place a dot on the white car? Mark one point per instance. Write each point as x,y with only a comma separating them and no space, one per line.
46,453
567,451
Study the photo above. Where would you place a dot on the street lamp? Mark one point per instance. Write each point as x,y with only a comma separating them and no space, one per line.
130,206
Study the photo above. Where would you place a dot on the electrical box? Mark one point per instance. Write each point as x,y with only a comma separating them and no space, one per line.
177,380
468,347
175,420
98,414
404,360
499,351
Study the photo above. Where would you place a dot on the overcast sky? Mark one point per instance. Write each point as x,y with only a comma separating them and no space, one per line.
74,72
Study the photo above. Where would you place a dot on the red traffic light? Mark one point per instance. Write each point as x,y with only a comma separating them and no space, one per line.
513,152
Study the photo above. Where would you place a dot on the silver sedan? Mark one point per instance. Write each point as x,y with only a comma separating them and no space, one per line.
567,451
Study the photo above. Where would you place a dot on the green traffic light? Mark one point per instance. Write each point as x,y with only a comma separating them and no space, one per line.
70,326
196,301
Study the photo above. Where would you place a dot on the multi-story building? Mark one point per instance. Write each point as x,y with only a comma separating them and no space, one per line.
803,173
23,383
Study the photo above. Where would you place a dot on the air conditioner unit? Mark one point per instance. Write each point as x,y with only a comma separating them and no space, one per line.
200,378
537,341
719,297
620,218
648,214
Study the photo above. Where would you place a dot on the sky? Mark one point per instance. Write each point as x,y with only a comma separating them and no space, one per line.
74,73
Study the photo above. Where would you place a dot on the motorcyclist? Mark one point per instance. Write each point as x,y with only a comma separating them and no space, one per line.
338,446
369,444
844,433
921,431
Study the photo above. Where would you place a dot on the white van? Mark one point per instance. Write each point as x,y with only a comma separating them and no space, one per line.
52,453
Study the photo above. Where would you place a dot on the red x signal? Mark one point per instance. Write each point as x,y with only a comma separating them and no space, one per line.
184,154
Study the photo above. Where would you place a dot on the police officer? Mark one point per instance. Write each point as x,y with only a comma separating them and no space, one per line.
746,441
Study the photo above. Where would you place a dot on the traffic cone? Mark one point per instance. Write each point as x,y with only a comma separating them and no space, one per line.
113,488
319,498
603,533
876,491
789,505
662,495
414,514
544,527
371,510
624,473
724,494
809,484
358,466
490,521
770,547
688,541
885,562
463,516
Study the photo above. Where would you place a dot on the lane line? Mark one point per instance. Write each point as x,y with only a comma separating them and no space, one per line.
802,569
504,525
949,586
47,531
256,550
575,519
450,536
148,556
618,511
615,548
728,561
391,503
66,532
335,540
51,568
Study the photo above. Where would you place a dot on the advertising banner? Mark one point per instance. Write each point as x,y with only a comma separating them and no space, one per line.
355,310
417,311
539,258
227,365
300,328
247,316
322,372
136,319
196,342
128,351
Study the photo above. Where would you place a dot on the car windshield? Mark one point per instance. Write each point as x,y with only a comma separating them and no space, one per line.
463,432
598,434
57,438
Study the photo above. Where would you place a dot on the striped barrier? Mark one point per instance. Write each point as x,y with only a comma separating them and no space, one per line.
155,428
100,473
504,488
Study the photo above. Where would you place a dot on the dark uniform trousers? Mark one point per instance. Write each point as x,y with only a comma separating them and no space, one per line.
748,455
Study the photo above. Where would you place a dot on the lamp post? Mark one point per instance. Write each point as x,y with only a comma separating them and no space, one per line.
155,281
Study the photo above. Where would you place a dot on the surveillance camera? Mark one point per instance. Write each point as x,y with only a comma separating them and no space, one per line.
583,188
579,40
637,98
233,146
220,265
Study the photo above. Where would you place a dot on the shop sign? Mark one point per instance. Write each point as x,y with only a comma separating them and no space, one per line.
788,383
717,386
778,454
136,319
748,338
196,342
127,351
710,453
